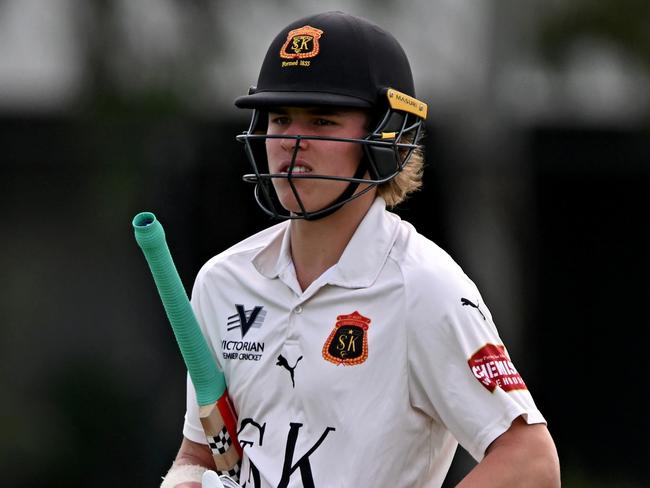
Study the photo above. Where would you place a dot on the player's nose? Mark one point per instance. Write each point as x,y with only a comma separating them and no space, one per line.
289,145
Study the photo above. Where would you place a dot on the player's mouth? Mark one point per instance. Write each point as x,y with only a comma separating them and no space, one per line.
298,168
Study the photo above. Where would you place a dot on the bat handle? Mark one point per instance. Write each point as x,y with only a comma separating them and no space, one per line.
216,412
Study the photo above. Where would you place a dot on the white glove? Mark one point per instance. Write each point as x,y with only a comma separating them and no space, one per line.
213,480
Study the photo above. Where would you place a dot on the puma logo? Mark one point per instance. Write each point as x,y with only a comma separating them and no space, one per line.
285,364
465,302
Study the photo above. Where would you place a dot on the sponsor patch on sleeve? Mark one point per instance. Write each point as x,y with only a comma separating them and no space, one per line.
493,368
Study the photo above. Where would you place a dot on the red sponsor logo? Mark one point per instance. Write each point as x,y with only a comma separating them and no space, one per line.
493,368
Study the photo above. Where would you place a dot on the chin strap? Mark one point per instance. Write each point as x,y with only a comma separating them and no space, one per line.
338,202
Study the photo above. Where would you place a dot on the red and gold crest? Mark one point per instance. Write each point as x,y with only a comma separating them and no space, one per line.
348,342
301,43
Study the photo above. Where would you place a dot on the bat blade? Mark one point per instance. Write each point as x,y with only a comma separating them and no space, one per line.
219,421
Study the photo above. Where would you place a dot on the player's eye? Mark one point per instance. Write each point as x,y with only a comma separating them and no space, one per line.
324,122
279,119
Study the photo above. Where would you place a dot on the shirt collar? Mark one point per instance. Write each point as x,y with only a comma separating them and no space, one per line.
361,261
275,257
367,251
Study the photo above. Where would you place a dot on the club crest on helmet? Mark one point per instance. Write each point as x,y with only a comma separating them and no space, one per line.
301,43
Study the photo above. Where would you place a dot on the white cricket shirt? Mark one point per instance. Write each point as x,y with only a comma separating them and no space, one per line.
368,378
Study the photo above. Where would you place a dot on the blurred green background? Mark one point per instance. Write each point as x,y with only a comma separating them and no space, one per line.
537,183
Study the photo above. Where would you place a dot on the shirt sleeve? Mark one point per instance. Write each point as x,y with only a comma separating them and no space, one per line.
460,373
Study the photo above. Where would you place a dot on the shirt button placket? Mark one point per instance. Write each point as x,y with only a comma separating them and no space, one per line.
293,317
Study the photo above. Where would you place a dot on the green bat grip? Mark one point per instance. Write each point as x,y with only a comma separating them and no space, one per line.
208,381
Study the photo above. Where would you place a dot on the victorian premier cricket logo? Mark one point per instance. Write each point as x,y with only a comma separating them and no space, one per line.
244,320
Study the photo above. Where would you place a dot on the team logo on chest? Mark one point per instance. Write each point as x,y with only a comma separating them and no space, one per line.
347,344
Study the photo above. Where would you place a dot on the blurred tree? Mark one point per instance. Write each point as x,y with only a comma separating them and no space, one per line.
622,22
146,59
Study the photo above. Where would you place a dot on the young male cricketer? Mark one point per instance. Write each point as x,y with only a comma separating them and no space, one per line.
356,352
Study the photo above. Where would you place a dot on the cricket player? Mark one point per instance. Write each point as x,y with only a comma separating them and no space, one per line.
357,353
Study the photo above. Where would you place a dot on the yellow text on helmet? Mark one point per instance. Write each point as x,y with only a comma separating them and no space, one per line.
401,101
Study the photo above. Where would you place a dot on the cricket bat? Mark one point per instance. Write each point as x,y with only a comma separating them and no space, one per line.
216,412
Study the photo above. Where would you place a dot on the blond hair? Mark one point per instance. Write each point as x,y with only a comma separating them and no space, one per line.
407,181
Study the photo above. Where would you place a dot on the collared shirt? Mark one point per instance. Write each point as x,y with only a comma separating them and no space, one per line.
370,376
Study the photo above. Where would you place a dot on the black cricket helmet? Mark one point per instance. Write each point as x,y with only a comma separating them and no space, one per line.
334,59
